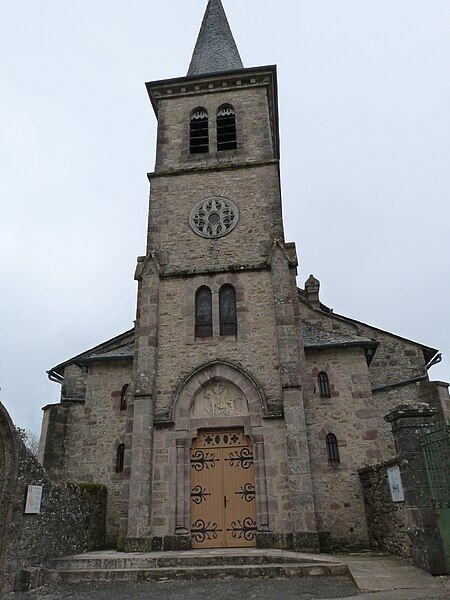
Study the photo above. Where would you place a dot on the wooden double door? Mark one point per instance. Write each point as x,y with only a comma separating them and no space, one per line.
223,496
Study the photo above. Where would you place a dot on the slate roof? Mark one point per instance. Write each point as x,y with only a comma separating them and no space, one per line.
122,353
215,50
314,337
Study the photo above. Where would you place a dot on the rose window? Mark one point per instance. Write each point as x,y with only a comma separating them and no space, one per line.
214,217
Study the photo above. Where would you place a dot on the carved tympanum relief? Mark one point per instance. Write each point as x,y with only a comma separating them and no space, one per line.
219,399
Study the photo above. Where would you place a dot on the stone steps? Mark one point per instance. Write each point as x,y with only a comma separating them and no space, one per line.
218,571
152,561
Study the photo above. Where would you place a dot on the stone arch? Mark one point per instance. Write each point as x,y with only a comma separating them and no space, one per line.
187,427
8,477
217,370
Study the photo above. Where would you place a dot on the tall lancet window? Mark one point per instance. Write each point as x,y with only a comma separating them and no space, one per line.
324,385
226,128
227,309
120,458
333,449
199,132
203,313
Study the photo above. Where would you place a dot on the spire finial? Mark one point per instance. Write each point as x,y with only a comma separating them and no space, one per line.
215,50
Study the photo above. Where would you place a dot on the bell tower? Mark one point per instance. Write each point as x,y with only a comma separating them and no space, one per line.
217,302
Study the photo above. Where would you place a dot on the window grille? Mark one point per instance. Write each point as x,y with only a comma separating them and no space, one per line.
199,132
324,385
332,449
226,128
123,398
227,310
120,459
203,313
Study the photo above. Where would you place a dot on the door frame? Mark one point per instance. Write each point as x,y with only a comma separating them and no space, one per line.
221,517
187,430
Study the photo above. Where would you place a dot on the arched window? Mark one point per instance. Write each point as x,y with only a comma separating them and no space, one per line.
120,458
199,132
324,385
227,310
332,449
123,397
203,313
226,128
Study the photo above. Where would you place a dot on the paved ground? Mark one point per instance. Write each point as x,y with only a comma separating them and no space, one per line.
379,572
244,589
379,577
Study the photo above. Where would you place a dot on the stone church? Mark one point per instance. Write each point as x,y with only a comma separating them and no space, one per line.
239,408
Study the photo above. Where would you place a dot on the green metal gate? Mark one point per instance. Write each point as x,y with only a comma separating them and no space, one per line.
436,449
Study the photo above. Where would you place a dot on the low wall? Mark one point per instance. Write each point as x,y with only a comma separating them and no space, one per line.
72,520
386,519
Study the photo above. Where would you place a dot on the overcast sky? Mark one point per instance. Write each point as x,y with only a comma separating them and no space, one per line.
365,134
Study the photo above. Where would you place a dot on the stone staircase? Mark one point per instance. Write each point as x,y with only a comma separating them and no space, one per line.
110,566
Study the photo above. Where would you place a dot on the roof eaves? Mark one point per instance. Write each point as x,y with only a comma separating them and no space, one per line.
329,311
57,370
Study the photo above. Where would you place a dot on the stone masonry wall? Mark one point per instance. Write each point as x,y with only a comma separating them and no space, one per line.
72,520
255,348
94,430
254,136
255,191
351,416
386,519
395,360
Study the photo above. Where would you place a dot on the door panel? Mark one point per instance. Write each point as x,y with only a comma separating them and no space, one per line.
240,499
223,501
207,498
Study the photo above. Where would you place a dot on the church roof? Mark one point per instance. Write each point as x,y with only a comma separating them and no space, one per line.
215,50
121,347
122,353
316,338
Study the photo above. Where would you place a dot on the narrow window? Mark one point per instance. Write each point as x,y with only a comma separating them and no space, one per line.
227,309
123,398
203,313
120,458
199,132
332,449
324,385
226,128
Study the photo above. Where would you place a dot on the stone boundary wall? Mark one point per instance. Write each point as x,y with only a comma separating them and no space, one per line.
72,520
386,519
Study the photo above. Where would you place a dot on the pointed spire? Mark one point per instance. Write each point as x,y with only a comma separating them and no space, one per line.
215,50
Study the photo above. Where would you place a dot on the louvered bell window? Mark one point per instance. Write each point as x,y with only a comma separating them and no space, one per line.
226,128
199,132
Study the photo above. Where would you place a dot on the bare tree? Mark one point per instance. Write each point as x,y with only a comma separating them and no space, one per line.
30,439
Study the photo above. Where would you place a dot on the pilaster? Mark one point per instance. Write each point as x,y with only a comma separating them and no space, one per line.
139,452
305,535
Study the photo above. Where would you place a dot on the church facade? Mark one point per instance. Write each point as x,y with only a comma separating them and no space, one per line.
239,408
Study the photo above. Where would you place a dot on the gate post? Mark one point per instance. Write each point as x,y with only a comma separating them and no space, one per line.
407,422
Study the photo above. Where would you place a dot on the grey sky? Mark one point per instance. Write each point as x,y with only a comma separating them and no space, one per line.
365,132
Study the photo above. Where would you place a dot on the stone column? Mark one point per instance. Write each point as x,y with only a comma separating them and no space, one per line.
305,536
407,422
